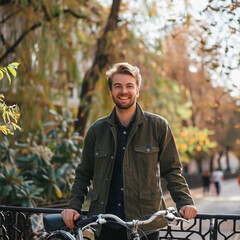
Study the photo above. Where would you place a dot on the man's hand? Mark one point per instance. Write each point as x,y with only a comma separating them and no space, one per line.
68,216
188,212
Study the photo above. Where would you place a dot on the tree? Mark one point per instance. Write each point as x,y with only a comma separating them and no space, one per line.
102,58
51,38
212,107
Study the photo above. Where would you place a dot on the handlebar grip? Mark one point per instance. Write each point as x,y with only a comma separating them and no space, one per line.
81,222
53,222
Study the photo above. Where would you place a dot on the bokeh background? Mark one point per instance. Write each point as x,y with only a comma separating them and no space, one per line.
188,52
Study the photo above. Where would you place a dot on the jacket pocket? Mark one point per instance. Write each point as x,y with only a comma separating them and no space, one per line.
150,201
100,154
145,149
101,162
146,158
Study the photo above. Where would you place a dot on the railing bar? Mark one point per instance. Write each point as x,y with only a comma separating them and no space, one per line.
218,216
34,210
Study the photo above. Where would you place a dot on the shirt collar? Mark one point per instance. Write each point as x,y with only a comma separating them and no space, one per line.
117,121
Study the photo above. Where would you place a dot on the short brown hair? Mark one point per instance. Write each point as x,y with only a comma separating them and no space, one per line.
123,68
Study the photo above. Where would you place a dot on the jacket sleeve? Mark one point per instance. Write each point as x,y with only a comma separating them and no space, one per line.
83,173
171,169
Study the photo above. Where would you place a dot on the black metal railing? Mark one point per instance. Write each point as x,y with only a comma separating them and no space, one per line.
19,223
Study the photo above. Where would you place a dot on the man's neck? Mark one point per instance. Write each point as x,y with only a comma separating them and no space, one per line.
125,115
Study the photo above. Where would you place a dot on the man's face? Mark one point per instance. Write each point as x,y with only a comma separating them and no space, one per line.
124,91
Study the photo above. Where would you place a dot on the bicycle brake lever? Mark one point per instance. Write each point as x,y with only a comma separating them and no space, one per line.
174,218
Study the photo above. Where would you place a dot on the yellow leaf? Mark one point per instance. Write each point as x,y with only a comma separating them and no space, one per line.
14,64
57,191
12,71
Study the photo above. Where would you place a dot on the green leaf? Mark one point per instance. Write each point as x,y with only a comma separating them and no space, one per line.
12,71
5,171
1,74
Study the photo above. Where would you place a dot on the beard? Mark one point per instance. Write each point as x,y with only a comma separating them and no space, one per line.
124,106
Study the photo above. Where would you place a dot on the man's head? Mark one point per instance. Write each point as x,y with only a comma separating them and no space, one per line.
123,68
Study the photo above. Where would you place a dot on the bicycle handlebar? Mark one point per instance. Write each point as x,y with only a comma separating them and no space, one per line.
170,214
53,222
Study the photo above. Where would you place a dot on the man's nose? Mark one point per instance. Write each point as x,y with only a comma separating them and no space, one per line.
124,89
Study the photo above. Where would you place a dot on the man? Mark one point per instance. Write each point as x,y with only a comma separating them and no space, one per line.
124,156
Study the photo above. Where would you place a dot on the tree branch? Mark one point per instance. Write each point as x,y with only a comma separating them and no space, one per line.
36,25
11,49
101,60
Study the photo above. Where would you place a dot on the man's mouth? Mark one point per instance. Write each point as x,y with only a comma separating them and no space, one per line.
124,97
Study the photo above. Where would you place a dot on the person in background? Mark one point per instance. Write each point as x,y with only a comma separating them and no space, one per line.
206,180
124,156
217,177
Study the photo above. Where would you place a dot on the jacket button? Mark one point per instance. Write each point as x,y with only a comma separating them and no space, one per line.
96,153
148,149
106,179
102,203
111,157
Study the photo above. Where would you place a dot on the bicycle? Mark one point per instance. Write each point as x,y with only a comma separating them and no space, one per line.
55,228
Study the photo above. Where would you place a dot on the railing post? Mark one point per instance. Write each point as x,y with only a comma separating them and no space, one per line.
212,227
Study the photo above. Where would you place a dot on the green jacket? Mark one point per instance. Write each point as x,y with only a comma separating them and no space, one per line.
150,154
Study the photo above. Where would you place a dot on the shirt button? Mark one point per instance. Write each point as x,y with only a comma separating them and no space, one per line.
124,148
119,204
121,189
96,153
111,157
124,132
148,149
102,203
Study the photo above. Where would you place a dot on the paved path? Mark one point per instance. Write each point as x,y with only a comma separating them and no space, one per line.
228,202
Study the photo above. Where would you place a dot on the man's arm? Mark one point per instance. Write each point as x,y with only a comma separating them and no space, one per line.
171,170
84,175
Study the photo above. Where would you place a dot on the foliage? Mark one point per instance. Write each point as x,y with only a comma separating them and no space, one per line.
191,140
40,169
9,114
58,41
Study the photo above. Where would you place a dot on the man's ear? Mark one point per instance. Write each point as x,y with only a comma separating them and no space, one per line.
138,91
110,92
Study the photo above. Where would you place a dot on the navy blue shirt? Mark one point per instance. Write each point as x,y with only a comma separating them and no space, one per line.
115,203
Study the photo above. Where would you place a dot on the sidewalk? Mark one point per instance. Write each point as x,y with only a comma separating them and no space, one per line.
227,203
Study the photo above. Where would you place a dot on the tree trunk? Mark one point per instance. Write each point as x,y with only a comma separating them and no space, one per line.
227,159
219,160
102,58
211,163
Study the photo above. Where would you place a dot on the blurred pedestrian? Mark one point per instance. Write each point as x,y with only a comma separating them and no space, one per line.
206,180
217,176
239,179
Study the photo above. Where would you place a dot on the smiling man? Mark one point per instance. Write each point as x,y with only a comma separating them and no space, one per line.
125,155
